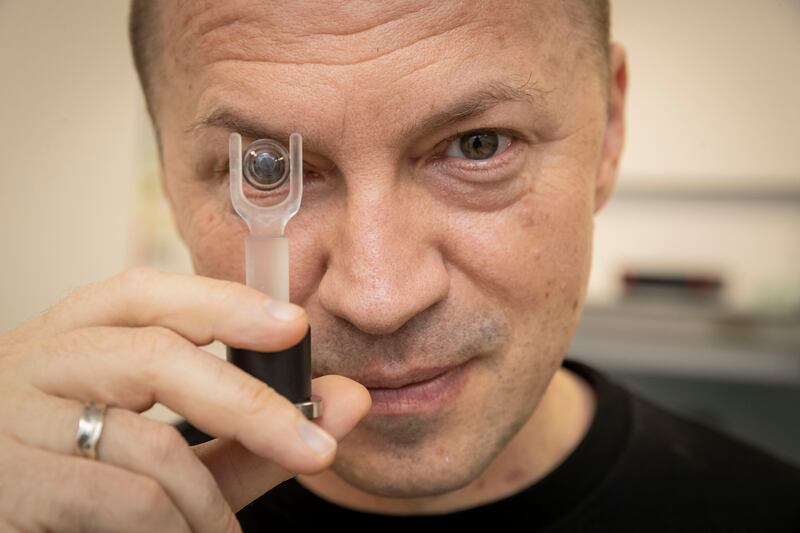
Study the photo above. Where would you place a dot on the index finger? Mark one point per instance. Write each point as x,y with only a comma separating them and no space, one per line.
198,308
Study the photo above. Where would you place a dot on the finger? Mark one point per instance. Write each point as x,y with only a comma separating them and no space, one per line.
135,367
131,442
198,308
43,490
243,476
158,451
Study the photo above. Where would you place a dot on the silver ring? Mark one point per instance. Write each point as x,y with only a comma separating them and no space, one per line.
90,426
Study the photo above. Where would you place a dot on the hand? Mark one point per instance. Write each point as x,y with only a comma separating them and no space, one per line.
132,341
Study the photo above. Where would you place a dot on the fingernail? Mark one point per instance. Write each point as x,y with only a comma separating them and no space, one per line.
283,310
315,437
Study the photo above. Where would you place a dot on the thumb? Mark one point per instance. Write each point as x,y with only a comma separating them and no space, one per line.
243,476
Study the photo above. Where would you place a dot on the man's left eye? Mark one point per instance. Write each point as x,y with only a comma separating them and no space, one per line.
478,145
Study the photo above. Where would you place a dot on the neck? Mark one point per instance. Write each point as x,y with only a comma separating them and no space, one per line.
555,428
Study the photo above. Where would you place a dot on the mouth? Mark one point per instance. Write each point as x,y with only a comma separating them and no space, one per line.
417,390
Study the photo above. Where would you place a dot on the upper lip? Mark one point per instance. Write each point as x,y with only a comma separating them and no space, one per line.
401,379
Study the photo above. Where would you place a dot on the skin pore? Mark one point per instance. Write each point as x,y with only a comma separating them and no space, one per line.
405,253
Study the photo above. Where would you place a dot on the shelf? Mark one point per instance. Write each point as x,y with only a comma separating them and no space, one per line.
697,341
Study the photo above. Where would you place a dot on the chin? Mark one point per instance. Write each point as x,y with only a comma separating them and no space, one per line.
408,477
415,457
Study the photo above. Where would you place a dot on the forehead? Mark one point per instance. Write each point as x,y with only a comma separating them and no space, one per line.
382,55
344,33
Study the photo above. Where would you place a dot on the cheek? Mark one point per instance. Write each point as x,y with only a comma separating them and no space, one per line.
213,233
308,253
533,258
217,246
555,224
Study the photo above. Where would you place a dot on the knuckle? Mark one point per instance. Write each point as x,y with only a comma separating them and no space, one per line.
135,277
150,344
146,498
129,284
165,443
226,294
257,396
156,340
228,289
81,340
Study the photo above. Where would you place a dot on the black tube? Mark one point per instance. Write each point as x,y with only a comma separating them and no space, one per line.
287,371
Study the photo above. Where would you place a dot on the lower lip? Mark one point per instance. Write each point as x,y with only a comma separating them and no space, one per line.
421,397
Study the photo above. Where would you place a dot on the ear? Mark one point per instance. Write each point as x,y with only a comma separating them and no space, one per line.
615,127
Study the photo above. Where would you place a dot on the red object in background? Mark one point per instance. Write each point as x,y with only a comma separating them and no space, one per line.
686,283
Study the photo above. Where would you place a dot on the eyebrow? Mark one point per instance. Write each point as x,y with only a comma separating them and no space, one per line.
479,102
245,125
471,106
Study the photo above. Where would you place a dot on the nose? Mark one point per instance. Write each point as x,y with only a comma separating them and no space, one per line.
384,265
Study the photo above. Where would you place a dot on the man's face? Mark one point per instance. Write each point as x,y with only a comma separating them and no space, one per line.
406,252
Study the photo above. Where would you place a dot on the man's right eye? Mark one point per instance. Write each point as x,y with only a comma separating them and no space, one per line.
478,145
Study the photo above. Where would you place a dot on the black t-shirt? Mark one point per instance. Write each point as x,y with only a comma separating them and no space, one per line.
638,468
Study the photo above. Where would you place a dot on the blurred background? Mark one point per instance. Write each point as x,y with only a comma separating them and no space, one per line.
695,295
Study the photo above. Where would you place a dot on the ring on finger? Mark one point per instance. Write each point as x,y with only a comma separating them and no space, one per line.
90,426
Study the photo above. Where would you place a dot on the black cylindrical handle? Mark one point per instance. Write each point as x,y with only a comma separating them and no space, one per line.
287,371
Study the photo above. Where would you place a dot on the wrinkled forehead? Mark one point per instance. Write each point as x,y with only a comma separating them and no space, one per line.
342,33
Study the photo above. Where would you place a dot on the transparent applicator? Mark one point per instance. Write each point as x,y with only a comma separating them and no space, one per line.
264,165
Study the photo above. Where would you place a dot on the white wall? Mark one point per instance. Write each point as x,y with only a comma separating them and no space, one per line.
69,118
715,92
